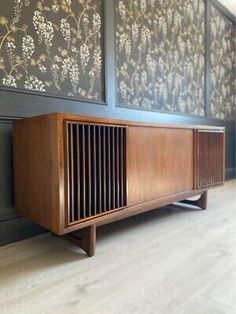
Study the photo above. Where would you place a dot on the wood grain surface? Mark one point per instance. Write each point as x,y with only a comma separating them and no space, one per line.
177,260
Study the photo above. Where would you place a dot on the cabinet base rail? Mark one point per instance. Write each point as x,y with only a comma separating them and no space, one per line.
86,238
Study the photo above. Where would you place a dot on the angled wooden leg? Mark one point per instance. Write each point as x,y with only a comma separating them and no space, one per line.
201,202
84,238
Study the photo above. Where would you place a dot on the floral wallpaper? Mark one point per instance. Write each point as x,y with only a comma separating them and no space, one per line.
52,46
223,44
160,55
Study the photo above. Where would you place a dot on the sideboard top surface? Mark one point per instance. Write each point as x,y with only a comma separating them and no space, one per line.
92,119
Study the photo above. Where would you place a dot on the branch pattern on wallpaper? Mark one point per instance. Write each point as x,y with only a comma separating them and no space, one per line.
160,55
222,66
52,46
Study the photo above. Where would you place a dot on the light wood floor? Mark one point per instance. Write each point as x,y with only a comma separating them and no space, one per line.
172,260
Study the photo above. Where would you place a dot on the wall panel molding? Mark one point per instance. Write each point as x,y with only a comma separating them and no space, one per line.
8,119
222,40
6,169
160,55
136,30
53,48
207,59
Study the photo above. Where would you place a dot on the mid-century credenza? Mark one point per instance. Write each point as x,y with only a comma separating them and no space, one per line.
73,173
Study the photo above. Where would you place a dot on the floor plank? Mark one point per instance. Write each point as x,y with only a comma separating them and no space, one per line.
175,260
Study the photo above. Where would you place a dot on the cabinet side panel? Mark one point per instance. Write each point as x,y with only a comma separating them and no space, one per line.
159,163
36,170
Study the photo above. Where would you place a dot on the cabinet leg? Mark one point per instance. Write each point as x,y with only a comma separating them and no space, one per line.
84,238
201,202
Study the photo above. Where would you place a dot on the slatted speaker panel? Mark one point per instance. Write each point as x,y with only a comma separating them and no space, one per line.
210,158
96,170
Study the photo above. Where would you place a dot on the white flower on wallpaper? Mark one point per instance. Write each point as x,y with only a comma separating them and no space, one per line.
44,29
223,58
27,47
160,55
18,8
66,31
9,80
33,83
52,46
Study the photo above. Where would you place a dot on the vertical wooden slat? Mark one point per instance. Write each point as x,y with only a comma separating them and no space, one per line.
196,157
206,150
68,174
203,162
122,165
208,166
214,153
109,166
217,142
89,182
104,169
83,182
95,169
213,157
72,173
210,157
220,158
217,154
204,153
78,171
100,168
117,169
113,169
223,157
200,158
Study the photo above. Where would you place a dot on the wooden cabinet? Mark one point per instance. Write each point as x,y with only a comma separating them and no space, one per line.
75,173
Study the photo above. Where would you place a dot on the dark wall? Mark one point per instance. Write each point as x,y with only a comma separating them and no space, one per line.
15,104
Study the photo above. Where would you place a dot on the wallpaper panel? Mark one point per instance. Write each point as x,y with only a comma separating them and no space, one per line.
160,55
52,46
222,103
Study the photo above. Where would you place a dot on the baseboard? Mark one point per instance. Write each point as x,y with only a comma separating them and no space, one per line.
230,173
17,229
